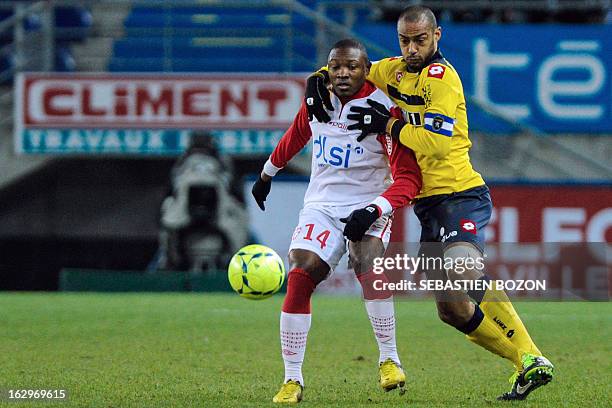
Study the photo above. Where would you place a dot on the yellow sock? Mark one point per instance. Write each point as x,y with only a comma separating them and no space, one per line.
487,335
497,307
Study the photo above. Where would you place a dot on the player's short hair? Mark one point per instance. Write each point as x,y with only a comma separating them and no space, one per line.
352,43
413,14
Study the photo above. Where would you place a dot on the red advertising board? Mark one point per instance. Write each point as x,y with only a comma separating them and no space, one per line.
156,101
536,213
540,213
557,234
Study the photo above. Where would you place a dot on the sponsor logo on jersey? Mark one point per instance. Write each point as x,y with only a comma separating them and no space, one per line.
436,71
389,140
444,237
333,155
340,125
399,75
468,226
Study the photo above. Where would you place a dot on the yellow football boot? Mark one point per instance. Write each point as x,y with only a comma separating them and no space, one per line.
290,393
391,375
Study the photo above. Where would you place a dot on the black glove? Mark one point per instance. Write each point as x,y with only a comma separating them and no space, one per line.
369,120
260,191
317,96
359,221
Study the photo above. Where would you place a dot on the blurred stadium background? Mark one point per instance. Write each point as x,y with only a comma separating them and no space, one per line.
98,99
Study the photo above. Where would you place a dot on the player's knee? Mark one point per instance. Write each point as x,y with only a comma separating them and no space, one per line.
455,314
356,262
361,264
463,261
302,261
310,263
362,254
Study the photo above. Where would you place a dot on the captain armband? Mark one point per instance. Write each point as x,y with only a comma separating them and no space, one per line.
438,123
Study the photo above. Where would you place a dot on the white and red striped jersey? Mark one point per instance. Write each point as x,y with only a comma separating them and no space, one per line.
346,172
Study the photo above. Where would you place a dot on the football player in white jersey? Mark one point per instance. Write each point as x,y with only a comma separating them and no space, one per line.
354,189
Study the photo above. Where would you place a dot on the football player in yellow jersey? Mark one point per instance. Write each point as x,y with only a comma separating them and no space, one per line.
454,205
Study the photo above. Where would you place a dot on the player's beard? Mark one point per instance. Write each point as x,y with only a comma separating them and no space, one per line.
415,64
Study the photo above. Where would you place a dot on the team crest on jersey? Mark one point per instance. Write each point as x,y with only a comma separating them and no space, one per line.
437,123
436,71
399,75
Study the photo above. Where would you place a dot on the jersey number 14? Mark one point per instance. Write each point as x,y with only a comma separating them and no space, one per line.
321,238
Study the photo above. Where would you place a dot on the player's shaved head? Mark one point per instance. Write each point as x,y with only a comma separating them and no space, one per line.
416,14
418,34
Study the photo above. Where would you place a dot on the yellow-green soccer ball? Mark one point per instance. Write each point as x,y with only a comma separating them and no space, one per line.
256,272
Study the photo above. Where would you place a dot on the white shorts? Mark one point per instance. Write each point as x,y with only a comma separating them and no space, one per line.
319,230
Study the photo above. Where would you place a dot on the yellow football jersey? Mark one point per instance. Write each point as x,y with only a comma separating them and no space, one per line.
433,104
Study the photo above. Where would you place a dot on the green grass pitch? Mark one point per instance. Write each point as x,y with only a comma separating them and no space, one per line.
219,350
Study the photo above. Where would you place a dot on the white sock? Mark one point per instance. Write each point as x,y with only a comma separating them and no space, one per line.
293,333
382,317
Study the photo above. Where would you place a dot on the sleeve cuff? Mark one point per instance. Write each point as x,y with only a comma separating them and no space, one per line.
384,205
395,128
271,169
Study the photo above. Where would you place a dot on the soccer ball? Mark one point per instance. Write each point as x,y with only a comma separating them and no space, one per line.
256,272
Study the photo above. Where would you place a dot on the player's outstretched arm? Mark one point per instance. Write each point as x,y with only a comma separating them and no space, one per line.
294,140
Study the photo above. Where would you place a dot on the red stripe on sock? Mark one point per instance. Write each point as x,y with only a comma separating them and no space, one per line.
299,290
367,285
